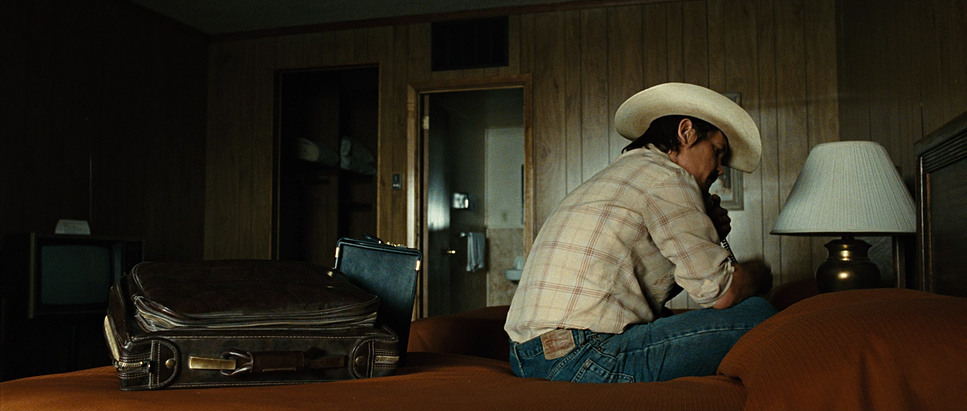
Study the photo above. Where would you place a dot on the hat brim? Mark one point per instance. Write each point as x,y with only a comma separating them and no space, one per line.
636,114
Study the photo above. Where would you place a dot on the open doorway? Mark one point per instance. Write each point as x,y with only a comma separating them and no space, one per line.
475,196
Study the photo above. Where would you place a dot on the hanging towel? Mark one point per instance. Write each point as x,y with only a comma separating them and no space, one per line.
476,251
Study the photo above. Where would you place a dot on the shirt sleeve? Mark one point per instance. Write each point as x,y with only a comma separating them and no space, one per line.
676,219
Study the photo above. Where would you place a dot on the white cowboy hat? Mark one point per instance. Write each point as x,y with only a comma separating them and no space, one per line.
636,114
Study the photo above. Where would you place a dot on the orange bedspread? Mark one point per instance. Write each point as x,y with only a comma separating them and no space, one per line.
430,381
881,349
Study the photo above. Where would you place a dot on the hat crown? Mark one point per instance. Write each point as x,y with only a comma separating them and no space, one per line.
635,115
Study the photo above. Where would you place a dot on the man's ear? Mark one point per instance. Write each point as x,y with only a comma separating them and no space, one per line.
686,133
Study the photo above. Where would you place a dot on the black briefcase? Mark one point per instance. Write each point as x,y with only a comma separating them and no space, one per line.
386,270
243,322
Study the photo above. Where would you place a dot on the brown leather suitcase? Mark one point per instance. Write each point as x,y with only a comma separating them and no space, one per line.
243,322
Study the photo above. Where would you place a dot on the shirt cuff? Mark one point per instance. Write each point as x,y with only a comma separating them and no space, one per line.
711,290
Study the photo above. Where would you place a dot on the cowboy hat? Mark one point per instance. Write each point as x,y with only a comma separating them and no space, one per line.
636,114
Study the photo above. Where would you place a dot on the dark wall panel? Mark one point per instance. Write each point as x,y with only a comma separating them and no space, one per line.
104,120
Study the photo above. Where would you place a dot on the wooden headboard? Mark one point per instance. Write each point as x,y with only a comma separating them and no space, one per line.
942,209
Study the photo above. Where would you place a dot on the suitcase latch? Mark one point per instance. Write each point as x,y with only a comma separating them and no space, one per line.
201,363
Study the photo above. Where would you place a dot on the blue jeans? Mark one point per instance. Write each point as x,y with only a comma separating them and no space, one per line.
691,343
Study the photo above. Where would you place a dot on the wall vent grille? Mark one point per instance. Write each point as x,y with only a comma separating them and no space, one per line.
469,44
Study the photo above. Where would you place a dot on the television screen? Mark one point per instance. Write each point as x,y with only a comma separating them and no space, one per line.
55,290
48,275
75,274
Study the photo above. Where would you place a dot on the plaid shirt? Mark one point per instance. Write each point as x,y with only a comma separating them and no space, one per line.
617,249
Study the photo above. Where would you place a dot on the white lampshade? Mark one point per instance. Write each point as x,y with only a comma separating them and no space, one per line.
848,187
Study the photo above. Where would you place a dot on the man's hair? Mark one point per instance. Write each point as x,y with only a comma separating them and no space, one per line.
663,133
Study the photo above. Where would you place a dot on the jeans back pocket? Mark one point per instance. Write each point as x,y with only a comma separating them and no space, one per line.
595,369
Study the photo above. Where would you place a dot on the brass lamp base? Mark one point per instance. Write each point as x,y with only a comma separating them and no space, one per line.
847,267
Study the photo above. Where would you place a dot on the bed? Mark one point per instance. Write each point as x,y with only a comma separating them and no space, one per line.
866,349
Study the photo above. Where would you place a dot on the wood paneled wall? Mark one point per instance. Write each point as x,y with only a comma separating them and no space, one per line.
781,55
103,120
903,72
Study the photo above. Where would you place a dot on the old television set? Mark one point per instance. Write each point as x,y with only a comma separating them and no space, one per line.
65,274
55,290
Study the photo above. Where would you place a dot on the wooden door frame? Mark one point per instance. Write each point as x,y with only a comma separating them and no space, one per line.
416,201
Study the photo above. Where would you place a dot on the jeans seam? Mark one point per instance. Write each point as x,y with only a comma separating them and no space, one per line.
603,349
696,333
520,363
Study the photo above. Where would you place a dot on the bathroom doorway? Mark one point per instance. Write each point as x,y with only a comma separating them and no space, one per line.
475,191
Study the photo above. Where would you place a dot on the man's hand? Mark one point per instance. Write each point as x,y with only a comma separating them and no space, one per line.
760,275
750,278
720,216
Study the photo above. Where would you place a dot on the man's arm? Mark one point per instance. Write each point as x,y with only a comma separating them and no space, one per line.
749,279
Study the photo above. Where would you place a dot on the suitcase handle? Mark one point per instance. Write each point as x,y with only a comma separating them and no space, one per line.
248,363
373,238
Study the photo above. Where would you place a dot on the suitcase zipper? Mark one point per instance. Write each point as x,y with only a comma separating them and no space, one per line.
121,366
111,341
124,366
152,318
154,322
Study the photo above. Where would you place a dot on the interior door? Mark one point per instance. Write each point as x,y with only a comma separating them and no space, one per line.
438,254
462,130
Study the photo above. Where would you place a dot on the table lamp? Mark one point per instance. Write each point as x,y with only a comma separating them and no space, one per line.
847,188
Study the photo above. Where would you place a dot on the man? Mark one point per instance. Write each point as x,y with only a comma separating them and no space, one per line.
590,306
